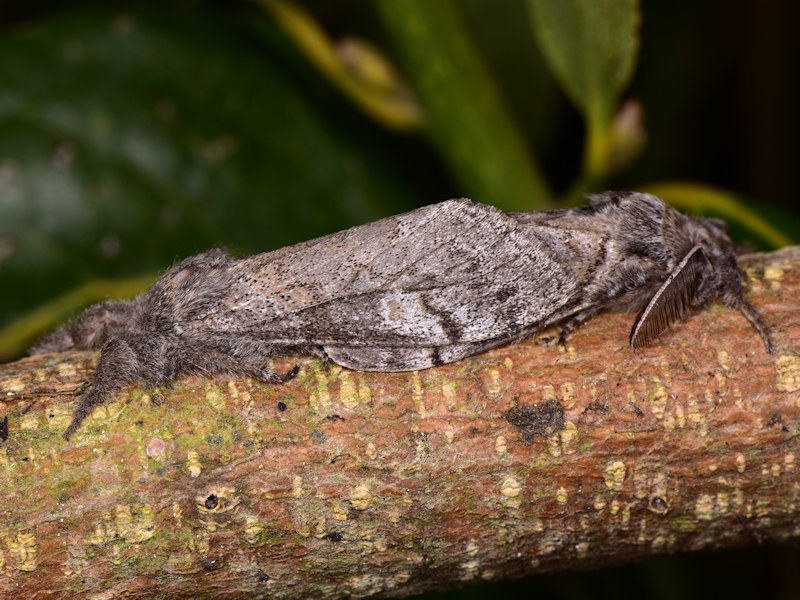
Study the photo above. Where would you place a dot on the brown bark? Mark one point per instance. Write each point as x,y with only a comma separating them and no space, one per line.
350,484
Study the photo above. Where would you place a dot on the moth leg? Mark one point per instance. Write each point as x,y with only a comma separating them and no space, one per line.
573,322
91,329
752,314
246,357
125,358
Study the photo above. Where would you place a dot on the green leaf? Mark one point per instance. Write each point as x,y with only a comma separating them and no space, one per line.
591,47
130,140
467,118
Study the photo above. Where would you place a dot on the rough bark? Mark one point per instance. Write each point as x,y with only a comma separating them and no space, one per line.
525,459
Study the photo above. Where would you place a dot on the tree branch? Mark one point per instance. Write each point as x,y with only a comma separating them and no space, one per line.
525,459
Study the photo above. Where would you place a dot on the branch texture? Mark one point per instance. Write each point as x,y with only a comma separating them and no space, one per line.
525,459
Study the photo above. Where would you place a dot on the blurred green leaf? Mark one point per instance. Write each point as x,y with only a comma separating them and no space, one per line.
128,141
467,118
15,339
591,46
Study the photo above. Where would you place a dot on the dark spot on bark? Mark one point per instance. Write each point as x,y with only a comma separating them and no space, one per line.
211,502
658,505
263,577
474,430
597,406
4,429
281,406
540,419
333,537
775,419
208,565
334,418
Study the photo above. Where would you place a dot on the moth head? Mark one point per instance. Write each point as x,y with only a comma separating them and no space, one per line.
722,277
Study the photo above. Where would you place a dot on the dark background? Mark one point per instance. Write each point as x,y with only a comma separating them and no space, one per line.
136,134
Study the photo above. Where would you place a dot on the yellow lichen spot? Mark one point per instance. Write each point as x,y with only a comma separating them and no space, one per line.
320,398
712,467
252,529
66,370
364,391
695,416
29,423
469,570
614,474
704,507
302,527
511,489
723,502
669,421
500,445
134,529
722,359
360,497
615,506
347,390
215,398
554,444
23,550
788,373
776,470
549,393
338,511
741,463
233,389
572,353
297,486
568,394
177,513
599,503
13,386
508,363
774,276
416,393
472,548
569,437
449,392
658,400
193,463
493,387
449,433
722,382
562,495
680,418
626,515
372,451
788,462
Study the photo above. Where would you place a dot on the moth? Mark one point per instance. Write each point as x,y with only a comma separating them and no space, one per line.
412,291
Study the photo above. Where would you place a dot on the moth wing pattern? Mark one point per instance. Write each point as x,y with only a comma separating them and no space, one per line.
671,301
404,358
447,276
